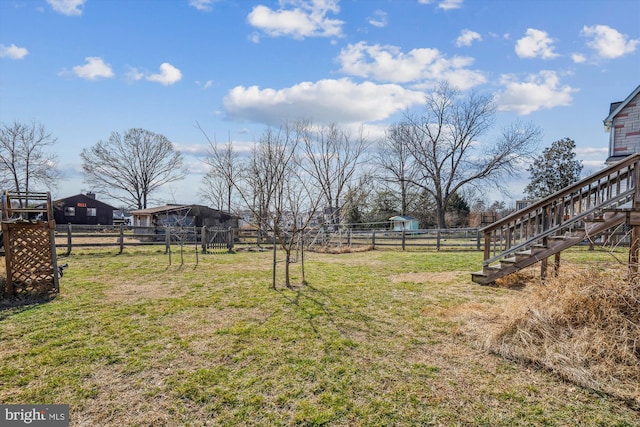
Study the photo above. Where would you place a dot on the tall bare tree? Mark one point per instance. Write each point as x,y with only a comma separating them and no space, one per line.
396,165
444,142
224,170
129,167
332,159
25,163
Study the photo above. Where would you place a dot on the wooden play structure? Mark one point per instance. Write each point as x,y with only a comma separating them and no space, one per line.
589,208
29,244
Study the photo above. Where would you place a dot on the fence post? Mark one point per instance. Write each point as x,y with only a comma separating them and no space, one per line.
68,239
203,237
167,240
404,237
373,239
478,239
438,240
230,239
121,238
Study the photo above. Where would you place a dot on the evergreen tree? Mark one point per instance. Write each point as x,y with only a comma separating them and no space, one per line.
555,169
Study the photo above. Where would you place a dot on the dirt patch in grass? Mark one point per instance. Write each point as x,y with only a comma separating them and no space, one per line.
427,277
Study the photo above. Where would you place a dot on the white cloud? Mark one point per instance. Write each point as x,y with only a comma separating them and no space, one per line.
13,52
592,151
535,44
339,101
379,19
95,68
578,58
608,42
204,85
419,66
203,5
450,4
445,4
467,37
540,91
133,75
302,19
168,75
67,7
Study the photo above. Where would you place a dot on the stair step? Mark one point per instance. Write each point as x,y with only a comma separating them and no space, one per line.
480,278
507,262
491,269
539,247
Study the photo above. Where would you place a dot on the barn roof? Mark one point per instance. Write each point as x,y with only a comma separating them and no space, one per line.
196,210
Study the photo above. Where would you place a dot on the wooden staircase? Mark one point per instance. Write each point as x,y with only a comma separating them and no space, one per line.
584,210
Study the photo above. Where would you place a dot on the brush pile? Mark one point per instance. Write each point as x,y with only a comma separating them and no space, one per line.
584,326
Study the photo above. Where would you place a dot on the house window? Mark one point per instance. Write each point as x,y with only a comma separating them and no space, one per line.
70,211
91,211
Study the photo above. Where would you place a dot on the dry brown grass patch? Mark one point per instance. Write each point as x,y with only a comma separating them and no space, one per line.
584,325
342,249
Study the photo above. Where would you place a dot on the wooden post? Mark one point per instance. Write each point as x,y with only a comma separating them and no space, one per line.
634,247
195,242
7,259
167,239
230,239
121,238
373,239
52,249
203,238
556,264
487,245
68,239
438,241
404,239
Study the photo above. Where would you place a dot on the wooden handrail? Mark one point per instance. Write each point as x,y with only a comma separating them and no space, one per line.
607,189
565,191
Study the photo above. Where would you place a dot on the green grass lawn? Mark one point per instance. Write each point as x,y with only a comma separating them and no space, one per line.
374,339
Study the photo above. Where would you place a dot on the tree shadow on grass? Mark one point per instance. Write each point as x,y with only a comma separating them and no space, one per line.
316,304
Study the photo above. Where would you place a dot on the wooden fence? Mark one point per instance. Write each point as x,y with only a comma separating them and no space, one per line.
207,239
222,240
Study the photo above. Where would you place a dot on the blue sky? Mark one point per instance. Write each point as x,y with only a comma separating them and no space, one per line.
86,68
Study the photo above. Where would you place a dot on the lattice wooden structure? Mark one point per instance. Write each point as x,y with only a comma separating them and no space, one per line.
29,243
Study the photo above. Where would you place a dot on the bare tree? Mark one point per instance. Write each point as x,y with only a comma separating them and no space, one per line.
397,165
444,143
224,170
24,161
332,159
130,167
281,198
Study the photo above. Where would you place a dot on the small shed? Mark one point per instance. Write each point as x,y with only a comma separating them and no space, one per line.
404,222
82,209
183,216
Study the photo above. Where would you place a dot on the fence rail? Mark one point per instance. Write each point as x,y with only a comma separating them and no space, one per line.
120,236
207,239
